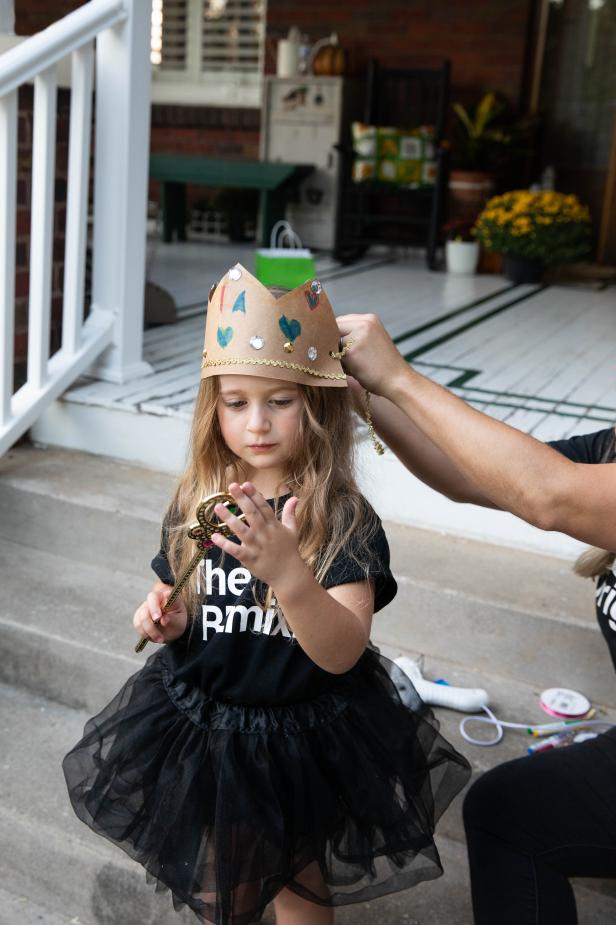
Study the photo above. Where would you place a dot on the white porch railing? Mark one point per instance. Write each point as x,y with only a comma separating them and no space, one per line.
113,35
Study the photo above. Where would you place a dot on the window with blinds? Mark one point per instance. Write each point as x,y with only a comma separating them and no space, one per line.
231,37
169,34
213,49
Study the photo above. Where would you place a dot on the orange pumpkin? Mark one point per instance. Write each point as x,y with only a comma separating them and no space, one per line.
329,61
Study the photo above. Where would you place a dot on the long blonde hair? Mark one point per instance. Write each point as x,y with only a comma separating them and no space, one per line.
320,473
594,562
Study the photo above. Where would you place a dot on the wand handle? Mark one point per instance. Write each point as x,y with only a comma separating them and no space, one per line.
177,589
200,533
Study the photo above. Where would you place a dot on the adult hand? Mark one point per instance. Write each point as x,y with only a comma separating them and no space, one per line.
372,357
150,621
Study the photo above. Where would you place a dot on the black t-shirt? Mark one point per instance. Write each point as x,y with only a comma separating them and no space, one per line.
592,448
239,651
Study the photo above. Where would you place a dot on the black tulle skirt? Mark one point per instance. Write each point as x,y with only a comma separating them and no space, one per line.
334,798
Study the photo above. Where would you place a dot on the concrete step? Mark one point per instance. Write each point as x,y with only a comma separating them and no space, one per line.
67,629
523,615
19,910
57,868
67,626
516,613
49,856
89,508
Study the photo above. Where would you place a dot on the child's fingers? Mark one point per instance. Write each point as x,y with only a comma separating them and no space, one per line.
288,514
150,621
233,549
177,609
237,526
155,603
248,506
138,616
257,499
145,624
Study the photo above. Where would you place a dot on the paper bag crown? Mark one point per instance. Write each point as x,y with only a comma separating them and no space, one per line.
250,332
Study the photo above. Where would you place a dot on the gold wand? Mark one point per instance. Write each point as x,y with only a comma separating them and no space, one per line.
200,533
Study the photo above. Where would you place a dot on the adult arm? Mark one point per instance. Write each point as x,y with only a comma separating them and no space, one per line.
415,451
515,471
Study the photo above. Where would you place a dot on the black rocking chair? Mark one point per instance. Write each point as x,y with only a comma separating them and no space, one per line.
371,212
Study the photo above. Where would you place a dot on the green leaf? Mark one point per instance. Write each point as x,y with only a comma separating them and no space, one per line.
462,115
486,110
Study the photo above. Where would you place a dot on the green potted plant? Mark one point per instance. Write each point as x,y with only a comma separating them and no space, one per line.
488,141
533,230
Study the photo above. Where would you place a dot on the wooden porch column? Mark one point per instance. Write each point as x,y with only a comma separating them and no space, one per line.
120,184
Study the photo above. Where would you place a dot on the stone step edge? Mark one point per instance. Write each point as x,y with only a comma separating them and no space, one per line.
115,668
74,682
406,584
484,600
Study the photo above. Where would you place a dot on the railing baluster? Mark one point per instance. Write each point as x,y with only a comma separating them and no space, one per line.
8,186
77,196
41,227
120,28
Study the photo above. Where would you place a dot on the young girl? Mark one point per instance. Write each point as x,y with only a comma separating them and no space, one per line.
264,752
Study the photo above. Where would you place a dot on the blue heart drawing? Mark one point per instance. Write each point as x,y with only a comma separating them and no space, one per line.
313,299
290,327
240,303
224,335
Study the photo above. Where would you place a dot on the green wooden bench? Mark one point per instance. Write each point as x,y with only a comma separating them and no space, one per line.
273,180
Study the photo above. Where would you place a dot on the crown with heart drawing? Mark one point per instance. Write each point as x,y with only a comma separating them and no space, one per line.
251,332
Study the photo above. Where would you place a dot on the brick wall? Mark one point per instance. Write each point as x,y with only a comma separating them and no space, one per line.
485,40
33,15
210,131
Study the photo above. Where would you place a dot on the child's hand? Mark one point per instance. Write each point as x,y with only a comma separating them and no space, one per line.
268,546
150,621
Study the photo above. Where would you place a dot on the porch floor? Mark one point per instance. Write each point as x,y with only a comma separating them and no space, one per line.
541,359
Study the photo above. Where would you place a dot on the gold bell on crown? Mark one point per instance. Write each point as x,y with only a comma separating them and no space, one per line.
250,332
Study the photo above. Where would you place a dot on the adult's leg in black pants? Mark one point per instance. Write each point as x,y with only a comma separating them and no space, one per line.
534,822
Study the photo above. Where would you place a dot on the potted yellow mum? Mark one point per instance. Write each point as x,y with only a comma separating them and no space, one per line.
533,230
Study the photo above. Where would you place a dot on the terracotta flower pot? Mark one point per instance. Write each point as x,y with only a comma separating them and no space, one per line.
469,190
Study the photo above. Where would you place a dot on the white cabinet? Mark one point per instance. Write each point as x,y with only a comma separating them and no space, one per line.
303,119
